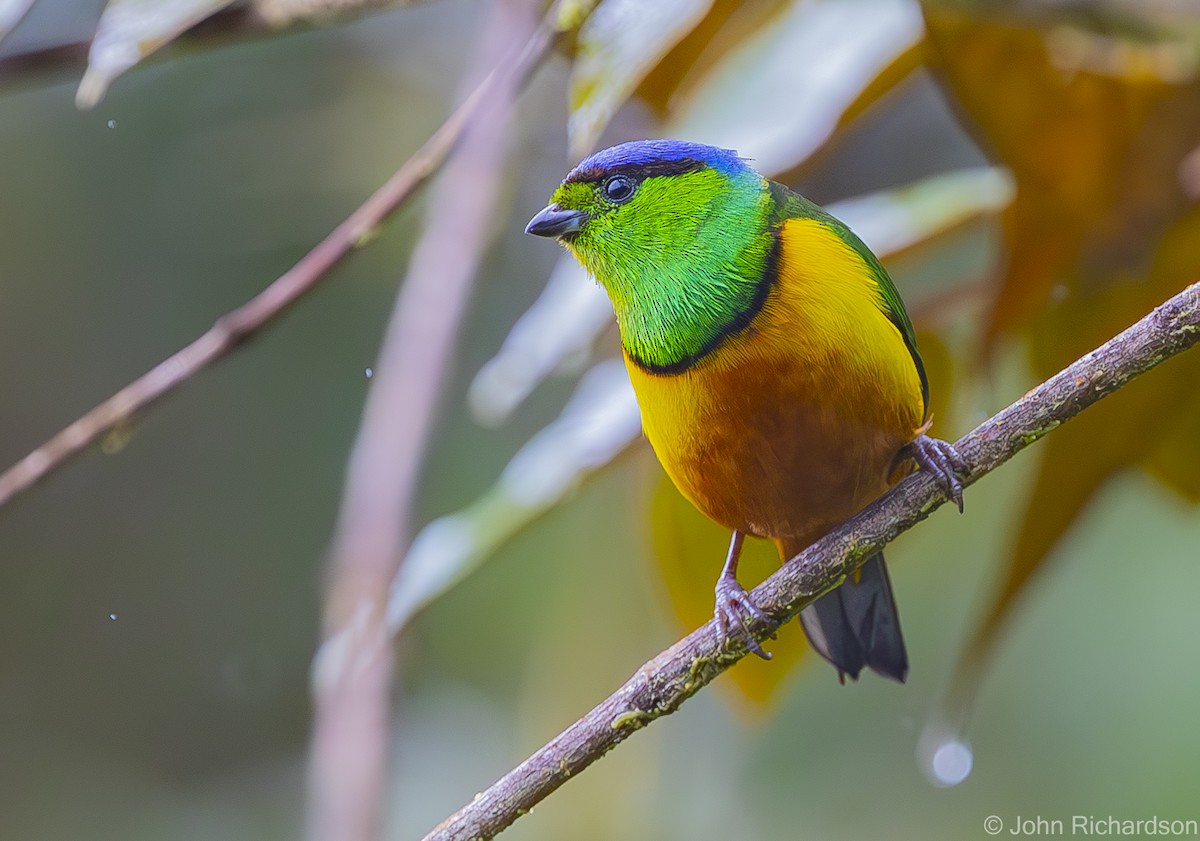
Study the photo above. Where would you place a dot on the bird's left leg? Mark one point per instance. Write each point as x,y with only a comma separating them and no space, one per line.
733,601
940,460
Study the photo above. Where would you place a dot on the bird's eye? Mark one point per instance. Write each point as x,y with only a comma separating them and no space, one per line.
619,188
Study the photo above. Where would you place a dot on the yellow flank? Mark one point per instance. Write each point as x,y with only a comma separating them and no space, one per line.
792,425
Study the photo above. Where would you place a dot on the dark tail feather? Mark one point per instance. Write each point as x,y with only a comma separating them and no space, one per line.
857,625
828,629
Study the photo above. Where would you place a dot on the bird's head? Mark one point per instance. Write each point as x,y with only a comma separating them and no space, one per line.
663,223
645,200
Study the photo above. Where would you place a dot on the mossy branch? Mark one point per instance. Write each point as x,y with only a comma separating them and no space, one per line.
661,685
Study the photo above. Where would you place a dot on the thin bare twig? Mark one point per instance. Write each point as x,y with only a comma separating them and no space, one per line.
240,324
353,668
661,685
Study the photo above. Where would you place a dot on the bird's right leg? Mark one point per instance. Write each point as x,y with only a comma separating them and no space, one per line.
733,601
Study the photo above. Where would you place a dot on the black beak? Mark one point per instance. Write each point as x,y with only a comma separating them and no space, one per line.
553,221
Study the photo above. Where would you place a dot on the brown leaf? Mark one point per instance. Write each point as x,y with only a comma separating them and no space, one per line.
1096,129
1095,148
1153,421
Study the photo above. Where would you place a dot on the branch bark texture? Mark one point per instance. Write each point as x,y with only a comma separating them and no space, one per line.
661,685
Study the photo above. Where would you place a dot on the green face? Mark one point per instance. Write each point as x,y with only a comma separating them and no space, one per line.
680,254
630,223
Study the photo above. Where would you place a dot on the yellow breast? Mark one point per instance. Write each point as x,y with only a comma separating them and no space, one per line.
792,425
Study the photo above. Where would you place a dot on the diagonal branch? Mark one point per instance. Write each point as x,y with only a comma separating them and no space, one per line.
238,325
661,685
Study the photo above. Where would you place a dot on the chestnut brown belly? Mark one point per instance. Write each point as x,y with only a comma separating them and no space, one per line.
782,454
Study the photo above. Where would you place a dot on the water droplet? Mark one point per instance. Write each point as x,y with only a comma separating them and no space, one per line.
112,124
951,763
113,617
369,373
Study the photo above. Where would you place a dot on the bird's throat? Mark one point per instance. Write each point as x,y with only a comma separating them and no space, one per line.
671,332
695,280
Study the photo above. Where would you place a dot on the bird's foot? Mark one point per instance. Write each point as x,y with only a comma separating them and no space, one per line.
942,461
732,603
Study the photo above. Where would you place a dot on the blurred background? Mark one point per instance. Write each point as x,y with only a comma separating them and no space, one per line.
1029,172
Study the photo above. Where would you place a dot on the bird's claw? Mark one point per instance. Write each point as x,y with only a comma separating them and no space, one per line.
942,461
732,602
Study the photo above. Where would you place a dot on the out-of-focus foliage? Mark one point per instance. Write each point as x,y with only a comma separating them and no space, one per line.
617,46
684,540
159,604
11,12
602,419
1095,119
727,25
1096,124
130,30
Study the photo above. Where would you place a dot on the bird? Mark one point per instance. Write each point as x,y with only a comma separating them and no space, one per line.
774,364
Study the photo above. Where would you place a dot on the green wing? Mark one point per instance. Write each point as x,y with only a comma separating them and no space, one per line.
789,205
